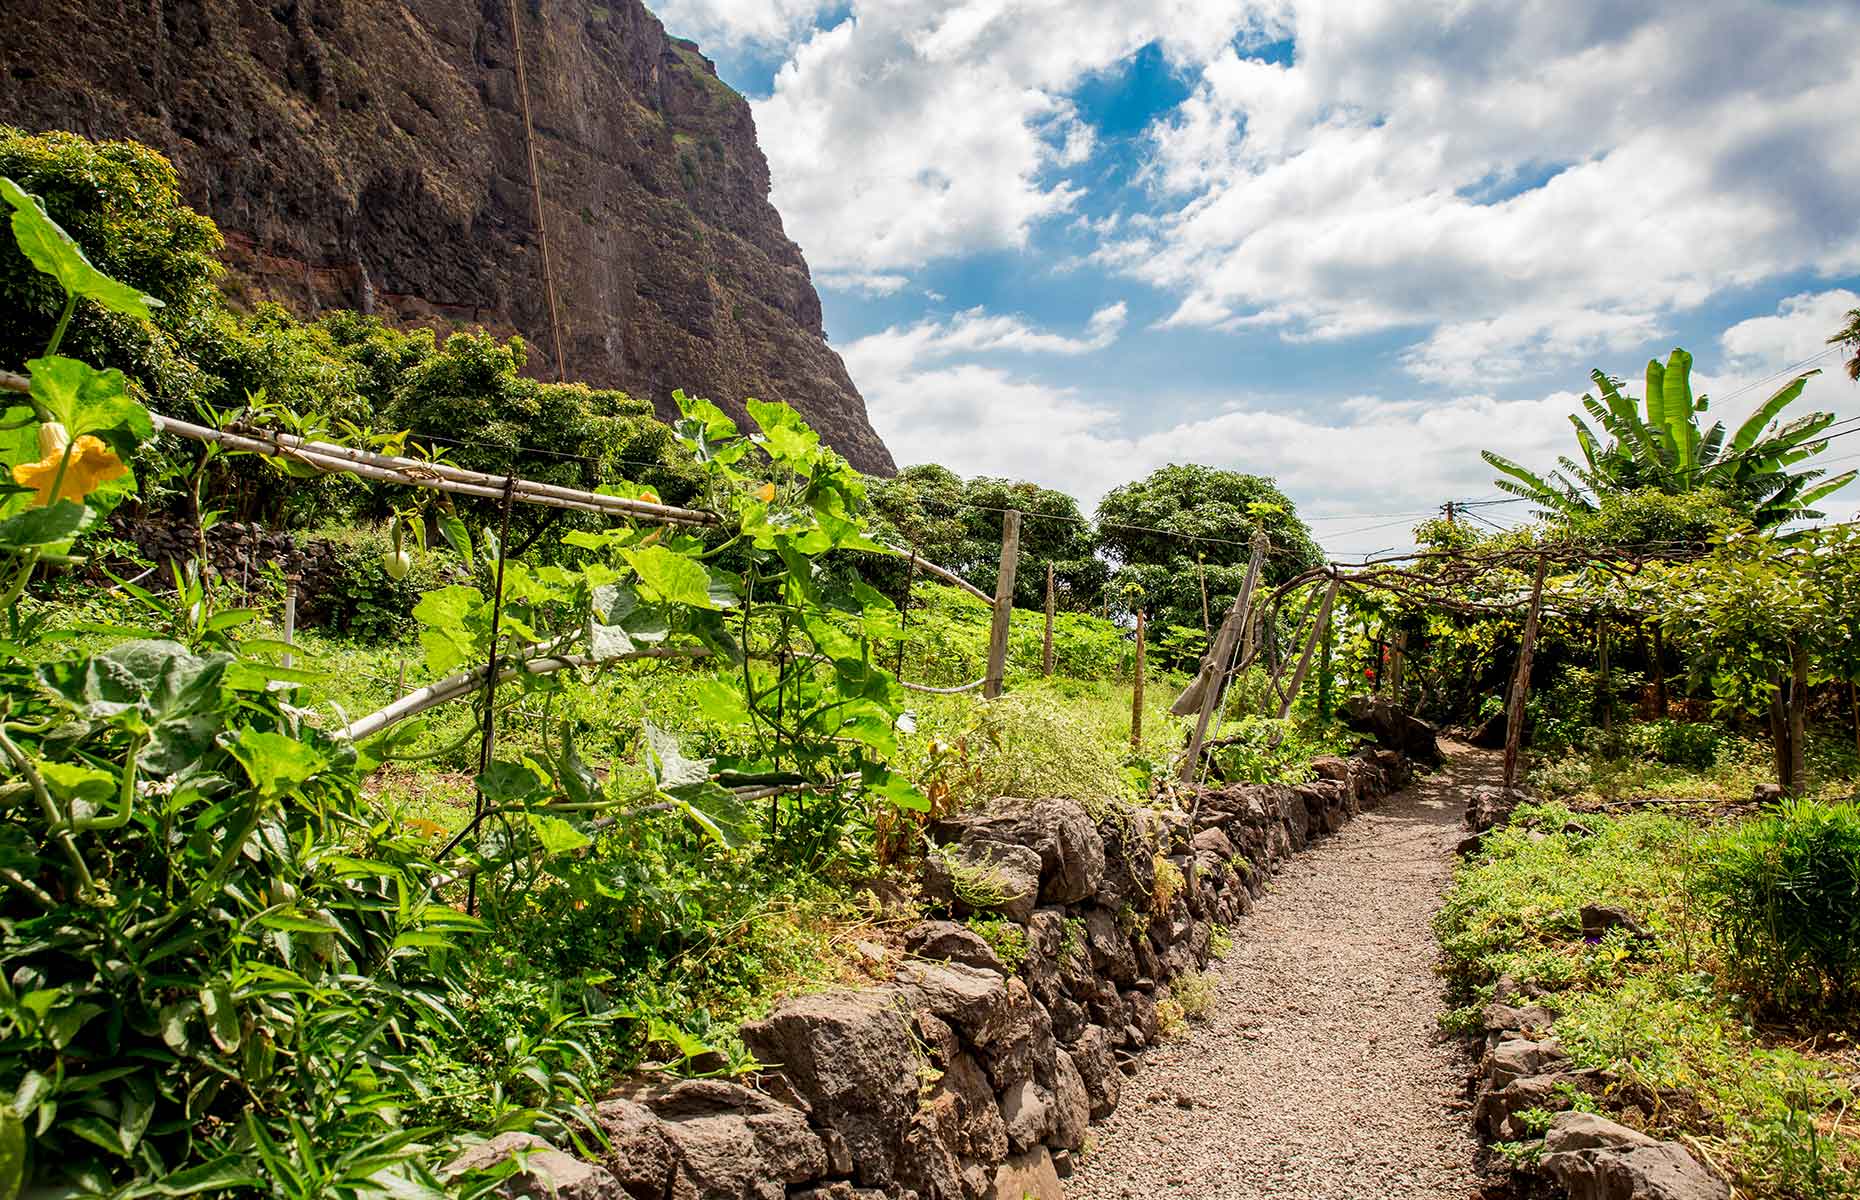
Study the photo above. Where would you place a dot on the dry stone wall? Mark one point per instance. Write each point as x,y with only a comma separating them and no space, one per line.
959,1079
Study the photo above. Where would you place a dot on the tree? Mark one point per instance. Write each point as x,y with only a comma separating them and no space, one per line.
1849,336
1667,451
957,524
1163,531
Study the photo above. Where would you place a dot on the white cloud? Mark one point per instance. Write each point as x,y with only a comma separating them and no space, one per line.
971,332
739,22
866,283
1687,149
1384,460
916,131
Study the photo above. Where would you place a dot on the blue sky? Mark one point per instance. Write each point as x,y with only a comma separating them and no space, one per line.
1345,243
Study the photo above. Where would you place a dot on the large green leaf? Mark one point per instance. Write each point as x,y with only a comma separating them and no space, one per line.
48,247
277,765
671,575
44,526
1769,410
87,400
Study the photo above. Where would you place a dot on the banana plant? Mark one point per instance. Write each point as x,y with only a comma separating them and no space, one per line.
1667,450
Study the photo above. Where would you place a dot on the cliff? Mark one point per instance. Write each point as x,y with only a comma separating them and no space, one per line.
371,154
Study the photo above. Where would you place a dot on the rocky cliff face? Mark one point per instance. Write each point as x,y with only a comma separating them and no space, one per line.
371,154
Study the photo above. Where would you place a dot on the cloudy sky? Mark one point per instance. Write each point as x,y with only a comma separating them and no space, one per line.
1345,243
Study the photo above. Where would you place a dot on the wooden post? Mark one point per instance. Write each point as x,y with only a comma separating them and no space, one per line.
1798,718
1201,568
1398,658
1601,665
290,617
1659,672
1311,645
1136,695
1853,703
1207,688
1521,680
1046,652
1004,605
1324,675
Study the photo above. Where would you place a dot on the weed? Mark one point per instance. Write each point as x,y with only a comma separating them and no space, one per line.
1220,941
1072,944
1008,940
1170,883
1194,993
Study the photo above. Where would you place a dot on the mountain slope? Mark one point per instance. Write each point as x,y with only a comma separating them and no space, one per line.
371,154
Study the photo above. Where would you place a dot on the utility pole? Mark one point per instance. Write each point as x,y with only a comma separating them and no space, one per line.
1449,508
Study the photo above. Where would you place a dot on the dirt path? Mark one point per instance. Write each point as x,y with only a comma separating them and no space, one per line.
1320,1075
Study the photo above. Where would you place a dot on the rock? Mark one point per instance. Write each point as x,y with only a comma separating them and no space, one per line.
733,1142
547,1173
849,1055
1028,1176
985,876
1021,1044
1111,952
1593,1158
1503,1018
975,1001
1393,727
946,941
956,1121
1768,793
1518,1057
1129,859
1470,845
639,1154
1490,806
1214,842
1060,832
1096,1063
1598,919
1489,734
1027,1113
1062,1163
1071,1105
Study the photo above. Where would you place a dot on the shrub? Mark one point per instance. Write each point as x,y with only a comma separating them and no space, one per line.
1783,892
1691,744
1008,940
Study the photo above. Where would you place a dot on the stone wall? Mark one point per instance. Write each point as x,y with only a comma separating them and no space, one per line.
958,1079
1524,1068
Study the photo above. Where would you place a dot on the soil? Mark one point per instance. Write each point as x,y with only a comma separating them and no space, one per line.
1320,1073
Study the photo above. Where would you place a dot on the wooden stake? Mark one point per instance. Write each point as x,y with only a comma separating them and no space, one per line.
1521,679
1601,655
1311,645
1046,652
1853,702
1324,675
290,616
1201,567
1398,657
1136,695
1208,686
1659,672
1798,718
1004,604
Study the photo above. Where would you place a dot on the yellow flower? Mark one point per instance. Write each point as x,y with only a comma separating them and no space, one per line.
92,465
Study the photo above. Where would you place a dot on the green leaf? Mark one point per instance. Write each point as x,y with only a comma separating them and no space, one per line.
216,1004
671,768
608,641
277,765
44,526
48,247
86,400
671,576
457,536
505,782
898,791
222,1174
556,836
722,703
444,612
714,810
579,783
12,1153
174,1020
785,435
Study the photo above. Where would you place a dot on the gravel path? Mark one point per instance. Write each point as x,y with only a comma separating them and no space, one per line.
1320,1074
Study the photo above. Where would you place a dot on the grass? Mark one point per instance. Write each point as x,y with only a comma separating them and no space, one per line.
1766,1103
1593,775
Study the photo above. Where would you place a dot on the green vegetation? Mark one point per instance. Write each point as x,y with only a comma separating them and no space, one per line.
1667,451
1688,1055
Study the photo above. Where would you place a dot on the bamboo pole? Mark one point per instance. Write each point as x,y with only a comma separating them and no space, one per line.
1201,568
1601,654
1659,671
1311,645
1046,651
1004,605
1136,694
1798,718
1521,679
1209,684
